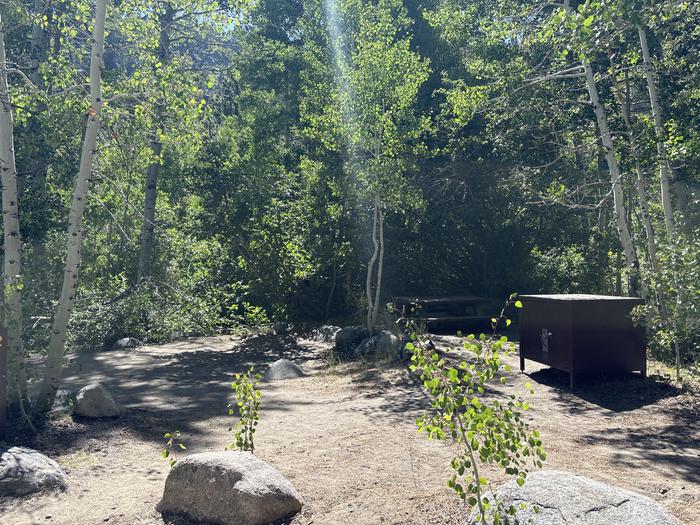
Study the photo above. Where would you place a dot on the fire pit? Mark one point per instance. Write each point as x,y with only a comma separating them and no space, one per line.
580,333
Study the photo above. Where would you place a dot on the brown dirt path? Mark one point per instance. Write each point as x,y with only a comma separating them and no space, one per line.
344,435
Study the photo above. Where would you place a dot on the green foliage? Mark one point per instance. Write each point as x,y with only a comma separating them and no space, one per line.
681,323
572,269
281,120
246,407
173,445
485,430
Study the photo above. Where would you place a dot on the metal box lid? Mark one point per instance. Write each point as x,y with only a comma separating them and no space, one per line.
579,297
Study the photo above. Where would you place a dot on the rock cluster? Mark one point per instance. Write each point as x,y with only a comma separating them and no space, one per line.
347,339
355,341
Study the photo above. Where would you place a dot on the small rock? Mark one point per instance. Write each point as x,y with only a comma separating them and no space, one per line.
62,404
24,471
283,369
228,488
95,401
367,348
348,338
126,343
325,334
564,498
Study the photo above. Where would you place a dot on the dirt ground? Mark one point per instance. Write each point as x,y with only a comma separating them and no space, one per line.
345,435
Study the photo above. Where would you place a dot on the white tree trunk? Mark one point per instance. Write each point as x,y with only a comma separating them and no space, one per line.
664,166
665,181
380,270
57,342
615,179
624,101
12,267
370,266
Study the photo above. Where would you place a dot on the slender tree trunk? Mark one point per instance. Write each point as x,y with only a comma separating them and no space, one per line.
623,96
665,174
334,279
380,269
664,166
370,266
57,342
149,213
615,179
602,172
151,189
12,267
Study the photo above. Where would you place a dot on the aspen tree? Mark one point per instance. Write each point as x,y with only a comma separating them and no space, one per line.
57,342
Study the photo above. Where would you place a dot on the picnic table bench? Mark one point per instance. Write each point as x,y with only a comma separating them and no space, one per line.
448,314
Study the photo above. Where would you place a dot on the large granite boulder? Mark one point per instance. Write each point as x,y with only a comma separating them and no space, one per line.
388,346
348,338
382,346
325,334
228,488
95,401
283,369
126,342
563,498
24,471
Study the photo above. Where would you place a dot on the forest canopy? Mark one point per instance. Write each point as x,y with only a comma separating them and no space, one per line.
182,167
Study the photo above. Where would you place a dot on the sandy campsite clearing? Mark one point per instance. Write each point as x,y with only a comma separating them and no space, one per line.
344,435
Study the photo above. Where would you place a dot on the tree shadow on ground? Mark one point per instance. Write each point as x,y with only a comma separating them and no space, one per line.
166,390
676,447
391,391
669,438
618,392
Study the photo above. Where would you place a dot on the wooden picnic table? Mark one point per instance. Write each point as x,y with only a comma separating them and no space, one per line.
448,313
